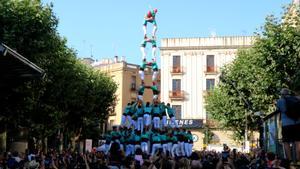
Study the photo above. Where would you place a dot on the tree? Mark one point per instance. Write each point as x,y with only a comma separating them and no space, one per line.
71,98
257,75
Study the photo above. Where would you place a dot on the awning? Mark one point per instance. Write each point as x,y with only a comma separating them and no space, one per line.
14,68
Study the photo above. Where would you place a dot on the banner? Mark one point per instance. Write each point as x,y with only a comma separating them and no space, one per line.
189,123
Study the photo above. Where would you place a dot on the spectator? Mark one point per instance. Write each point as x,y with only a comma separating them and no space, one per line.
289,126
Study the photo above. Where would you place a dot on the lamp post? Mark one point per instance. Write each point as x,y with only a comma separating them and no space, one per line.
248,107
246,144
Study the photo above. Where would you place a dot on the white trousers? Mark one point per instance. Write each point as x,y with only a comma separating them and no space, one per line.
155,147
129,149
145,148
147,120
156,121
173,122
140,124
164,121
174,151
165,147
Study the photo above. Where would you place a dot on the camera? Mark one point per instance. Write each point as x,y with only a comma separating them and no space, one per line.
225,155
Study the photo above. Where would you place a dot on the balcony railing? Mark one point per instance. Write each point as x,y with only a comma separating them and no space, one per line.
176,94
211,70
206,92
176,70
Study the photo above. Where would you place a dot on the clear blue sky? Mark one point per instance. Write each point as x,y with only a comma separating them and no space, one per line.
114,27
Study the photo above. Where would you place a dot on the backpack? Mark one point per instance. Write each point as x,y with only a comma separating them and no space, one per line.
292,107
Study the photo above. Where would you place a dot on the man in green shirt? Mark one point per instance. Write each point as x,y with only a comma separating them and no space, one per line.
174,139
156,142
125,114
145,141
155,92
171,113
137,139
156,115
164,141
143,47
147,116
191,142
164,114
142,69
141,93
150,17
130,143
140,115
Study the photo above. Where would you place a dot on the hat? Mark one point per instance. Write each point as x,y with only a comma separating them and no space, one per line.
285,91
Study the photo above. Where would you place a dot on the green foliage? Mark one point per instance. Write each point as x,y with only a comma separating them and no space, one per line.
72,97
257,75
208,135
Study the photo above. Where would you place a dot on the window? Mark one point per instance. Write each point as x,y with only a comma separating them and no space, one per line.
111,124
210,84
176,61
210,63
178,110
133,83
176,84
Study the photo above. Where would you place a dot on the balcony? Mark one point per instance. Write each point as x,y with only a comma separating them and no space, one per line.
211,123
176,95
176,70
211,70
133,87
206,92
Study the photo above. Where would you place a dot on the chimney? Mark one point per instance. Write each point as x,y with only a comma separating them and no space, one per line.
116,59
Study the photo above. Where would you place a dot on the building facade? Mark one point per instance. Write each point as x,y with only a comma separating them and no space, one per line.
128,80
192,68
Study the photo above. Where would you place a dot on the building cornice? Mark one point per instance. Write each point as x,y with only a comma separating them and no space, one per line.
204,47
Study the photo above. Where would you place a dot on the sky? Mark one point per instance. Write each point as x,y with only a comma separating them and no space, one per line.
105,28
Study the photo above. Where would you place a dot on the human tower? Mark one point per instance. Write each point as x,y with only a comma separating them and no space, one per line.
144,125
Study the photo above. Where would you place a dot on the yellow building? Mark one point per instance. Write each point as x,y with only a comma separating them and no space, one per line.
128,80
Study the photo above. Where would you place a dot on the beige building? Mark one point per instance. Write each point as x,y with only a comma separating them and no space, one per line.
128,80
191,70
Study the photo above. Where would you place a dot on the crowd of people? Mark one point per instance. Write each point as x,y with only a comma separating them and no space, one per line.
116,159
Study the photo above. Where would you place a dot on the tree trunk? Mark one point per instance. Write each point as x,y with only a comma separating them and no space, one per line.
3,137
74,138
45,145
61,141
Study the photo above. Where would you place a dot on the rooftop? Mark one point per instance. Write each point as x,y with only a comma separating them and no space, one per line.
207,42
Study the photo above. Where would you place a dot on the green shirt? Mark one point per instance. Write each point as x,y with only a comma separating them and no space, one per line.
153,42
174,139
145,136
154,65
163,138
148,109
170,111
115,135
133,108
190,137
155,110
156,138
127,110
141,90
140,111
137,138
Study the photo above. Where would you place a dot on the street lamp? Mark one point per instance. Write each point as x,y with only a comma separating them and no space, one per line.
246,143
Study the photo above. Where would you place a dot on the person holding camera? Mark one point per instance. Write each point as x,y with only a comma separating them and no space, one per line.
225,161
